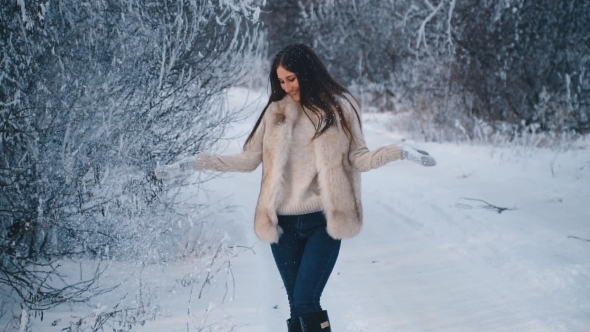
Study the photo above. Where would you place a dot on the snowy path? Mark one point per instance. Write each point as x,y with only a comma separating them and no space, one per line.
438,266
426,260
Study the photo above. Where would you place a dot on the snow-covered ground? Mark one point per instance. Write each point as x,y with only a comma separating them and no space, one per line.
431,257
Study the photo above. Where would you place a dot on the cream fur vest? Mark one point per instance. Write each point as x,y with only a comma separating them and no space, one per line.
338,163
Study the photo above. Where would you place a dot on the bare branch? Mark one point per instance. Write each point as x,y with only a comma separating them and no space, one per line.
578,238
488,205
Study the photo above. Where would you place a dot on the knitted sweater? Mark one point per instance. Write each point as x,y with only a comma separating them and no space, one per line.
301,190
301,175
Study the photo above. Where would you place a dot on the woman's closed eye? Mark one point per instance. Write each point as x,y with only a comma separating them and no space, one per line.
290,79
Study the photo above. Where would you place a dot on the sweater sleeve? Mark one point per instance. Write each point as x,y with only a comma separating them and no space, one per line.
246,161
360,157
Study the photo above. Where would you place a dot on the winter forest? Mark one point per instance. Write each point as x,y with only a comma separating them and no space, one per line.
95,94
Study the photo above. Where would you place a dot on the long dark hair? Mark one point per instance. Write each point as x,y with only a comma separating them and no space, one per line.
318,90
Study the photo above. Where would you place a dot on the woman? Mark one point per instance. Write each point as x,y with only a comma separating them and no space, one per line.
310,143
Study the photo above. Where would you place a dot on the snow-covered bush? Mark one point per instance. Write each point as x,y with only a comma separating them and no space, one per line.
93,95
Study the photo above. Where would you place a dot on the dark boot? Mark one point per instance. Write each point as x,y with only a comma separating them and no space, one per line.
293,326
316,322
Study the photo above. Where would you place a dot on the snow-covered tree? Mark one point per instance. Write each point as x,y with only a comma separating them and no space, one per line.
93,95
525,62
457,65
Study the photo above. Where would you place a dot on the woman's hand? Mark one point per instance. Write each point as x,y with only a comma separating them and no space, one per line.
181,168
418,156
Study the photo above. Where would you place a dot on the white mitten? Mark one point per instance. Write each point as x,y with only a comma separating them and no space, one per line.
418,156
181,168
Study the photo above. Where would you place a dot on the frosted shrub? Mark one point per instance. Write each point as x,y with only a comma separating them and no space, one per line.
93,95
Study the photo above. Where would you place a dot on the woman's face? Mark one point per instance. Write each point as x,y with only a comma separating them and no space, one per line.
289,82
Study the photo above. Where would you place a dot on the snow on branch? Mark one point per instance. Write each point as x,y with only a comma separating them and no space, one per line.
420,38
449,18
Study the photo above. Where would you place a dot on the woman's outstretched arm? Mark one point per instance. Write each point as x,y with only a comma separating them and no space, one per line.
246,161
362,159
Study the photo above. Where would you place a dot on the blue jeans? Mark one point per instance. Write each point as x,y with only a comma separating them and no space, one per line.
305,256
